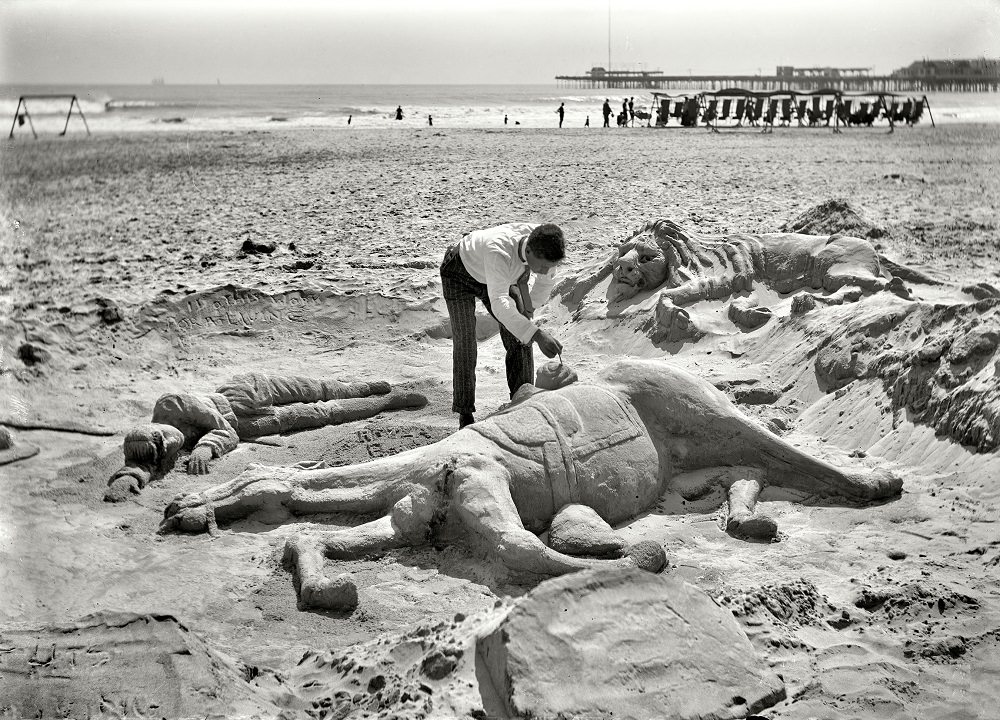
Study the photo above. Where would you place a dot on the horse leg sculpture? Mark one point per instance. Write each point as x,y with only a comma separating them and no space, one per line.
744,520
483,502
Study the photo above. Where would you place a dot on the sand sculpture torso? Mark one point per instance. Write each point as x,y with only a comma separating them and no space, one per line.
683,267
571,435
613,446
248,406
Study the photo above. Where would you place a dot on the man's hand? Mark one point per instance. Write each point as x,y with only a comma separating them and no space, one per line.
198,461
549,346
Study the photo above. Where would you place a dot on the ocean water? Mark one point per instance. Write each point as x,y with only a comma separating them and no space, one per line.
135,108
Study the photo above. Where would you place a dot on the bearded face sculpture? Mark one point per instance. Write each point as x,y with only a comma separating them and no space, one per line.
641,265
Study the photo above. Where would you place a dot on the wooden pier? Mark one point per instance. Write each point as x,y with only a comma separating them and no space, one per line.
842,82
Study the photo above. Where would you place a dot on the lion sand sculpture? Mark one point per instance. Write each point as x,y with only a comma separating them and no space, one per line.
683,267
247,407
612,445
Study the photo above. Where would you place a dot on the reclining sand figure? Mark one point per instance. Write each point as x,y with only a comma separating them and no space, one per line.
612,445
247,407
686,267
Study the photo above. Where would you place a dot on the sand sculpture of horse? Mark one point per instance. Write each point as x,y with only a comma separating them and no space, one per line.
612,445
684,267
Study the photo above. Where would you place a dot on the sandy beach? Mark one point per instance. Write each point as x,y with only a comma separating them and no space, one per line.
125,277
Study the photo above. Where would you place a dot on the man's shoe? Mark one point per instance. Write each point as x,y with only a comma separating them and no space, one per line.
465,419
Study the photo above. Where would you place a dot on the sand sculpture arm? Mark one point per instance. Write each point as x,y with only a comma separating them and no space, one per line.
198,417
150,451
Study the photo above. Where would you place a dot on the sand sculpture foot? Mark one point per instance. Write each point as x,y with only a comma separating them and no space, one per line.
744,521
594,450
304,558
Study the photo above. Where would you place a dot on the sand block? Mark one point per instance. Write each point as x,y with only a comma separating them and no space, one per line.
626,644
124,665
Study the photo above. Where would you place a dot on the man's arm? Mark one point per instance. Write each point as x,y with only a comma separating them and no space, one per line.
498,268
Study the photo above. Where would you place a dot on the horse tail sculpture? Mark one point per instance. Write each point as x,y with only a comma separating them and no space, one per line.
697,426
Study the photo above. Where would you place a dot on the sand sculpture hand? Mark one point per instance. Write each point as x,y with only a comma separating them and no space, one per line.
197,463
126,482
673,322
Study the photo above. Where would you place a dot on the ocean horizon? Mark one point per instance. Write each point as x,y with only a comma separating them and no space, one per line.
110,108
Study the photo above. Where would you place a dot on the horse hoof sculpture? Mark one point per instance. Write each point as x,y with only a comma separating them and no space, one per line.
612,445
247,407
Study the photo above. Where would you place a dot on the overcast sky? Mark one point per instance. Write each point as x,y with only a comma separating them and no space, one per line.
472,41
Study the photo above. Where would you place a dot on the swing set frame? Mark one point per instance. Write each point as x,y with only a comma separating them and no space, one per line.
20,116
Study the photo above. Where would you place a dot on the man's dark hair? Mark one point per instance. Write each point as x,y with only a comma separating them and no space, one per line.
547,242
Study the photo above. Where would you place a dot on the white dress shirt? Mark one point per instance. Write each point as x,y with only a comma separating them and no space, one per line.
495,257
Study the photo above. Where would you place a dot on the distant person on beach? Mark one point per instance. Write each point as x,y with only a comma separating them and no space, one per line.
607,112
587,123
505,119
631,112
349,119
562,113
399,112
494,265
623,115
430,120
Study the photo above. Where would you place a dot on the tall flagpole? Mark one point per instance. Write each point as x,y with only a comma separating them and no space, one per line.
609,35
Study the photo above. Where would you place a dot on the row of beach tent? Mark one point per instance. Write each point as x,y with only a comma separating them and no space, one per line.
737,108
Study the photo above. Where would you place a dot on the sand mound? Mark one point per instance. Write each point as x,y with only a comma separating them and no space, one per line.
938,364
431,670
834,217
798,602
123,665
237,310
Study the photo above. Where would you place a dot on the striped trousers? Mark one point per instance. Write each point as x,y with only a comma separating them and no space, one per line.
460,291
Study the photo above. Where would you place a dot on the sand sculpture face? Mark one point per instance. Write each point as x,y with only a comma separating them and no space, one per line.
613,446
154,444
641,265
555,374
